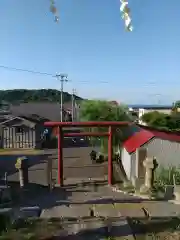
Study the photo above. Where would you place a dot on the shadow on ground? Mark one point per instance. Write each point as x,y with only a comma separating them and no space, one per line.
122,229
7,162
39,195
108,229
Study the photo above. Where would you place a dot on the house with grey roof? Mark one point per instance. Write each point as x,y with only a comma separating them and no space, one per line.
18,132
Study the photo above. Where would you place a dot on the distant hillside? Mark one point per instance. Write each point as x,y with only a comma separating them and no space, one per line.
39,95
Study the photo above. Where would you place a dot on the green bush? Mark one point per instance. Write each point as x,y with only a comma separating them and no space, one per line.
167,176
30,229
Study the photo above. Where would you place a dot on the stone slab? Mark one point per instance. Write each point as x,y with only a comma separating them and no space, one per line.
27,212
161,209
106,210
5,193
129,209
97,229
6,211
93,226
30,211
121,229
73,210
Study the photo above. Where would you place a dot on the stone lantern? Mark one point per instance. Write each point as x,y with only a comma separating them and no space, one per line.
150,165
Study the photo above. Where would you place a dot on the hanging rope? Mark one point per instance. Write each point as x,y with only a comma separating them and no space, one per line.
54,11
126,14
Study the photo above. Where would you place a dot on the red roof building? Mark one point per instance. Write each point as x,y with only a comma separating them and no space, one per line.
143,142
143,136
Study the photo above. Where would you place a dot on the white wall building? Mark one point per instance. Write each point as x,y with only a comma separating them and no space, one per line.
141,110
165,146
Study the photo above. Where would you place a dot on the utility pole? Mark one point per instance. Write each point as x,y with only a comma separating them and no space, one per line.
73,104
62,78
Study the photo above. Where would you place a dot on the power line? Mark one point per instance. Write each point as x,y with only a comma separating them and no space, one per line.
39,73
151,83
25,70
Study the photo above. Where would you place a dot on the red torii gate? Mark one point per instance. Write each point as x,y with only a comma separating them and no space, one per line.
108,134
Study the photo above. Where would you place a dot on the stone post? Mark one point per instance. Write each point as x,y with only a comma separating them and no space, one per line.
22,166
49,174
150,165
153,170
177,193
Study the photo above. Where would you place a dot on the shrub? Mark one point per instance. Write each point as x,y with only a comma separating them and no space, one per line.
167,176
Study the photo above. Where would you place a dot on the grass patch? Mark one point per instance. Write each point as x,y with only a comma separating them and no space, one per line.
20,151
156,228
166,177
32,229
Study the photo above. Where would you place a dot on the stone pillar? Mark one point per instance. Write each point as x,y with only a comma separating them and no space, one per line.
22,166
150,165
177,193
49,174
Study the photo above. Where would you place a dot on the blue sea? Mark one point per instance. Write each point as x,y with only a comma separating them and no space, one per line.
149,106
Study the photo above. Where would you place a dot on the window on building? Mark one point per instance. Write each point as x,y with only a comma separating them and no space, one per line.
19,130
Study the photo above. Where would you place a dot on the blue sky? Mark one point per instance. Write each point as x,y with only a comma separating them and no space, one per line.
90,44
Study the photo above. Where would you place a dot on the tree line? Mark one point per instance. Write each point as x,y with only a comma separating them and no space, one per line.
97,110
33,95
163,121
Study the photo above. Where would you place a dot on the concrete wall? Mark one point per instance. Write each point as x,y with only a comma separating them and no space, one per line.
166,152
126,162
129,162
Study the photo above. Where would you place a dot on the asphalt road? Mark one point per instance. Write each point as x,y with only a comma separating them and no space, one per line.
76,164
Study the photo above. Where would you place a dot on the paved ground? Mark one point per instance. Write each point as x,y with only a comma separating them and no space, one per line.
76,162
81,195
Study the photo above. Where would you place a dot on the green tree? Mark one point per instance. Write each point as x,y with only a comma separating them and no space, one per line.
156,119
176,106
96,110
152,117
174,121
162,121
147,117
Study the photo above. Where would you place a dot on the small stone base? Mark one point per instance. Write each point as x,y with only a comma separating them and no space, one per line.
7,212
127,184
5,194
143,196
144,190
27,212
174,201
177,196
